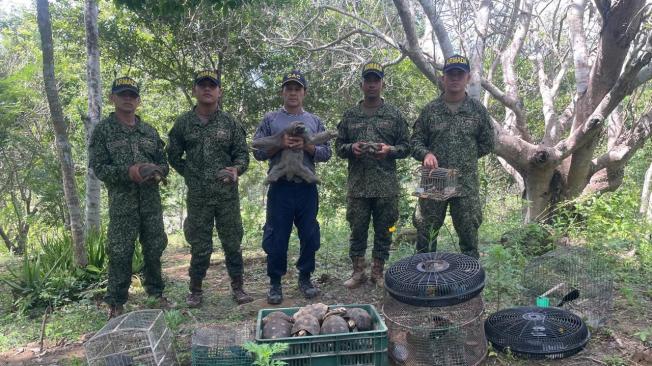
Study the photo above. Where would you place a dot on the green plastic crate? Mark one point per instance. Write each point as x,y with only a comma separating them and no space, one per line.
358,348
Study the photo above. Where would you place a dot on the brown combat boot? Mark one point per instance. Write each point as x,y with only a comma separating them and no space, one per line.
239,294
358,277
377,275
195,296
115,311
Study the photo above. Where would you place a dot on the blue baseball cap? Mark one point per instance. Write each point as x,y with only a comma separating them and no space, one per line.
373,68
295,76
457,62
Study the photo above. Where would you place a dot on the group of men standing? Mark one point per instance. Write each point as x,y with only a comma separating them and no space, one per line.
208,148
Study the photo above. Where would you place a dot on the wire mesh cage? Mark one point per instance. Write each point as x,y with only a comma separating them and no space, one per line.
437,184
136,338
574,278
442,336
222,345
434,279
537,333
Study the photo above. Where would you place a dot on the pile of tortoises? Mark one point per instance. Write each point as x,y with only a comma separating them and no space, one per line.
316,319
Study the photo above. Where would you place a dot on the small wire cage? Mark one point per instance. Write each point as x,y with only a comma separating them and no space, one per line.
442,336
136,338
575,278
222,345
437,184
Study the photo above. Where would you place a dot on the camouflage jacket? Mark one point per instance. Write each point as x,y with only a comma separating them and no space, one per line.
457,140
208,148
114,147
369,177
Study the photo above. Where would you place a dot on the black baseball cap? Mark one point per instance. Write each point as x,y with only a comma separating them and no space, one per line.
373,68
207,75
124,83
295,76
457,62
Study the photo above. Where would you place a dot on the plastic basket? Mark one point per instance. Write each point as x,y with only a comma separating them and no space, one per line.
358,348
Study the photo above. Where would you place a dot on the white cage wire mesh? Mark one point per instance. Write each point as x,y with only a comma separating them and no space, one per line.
222,345
442,336
137,338
575,278
437,184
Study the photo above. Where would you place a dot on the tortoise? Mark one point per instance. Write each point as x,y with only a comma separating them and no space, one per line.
305,325
225,176
277,315
276,327
151,173
334,324
317,310
370,148
358,319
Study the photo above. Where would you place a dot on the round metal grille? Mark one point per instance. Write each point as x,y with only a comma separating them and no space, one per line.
574,271
539,333
442,336
435,279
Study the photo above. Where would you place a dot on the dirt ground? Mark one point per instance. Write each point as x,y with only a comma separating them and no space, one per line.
612,345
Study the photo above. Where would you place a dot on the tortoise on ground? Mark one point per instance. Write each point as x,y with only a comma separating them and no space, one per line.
277,315
305,325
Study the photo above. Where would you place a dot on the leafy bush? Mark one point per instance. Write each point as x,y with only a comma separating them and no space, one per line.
532,239
504,268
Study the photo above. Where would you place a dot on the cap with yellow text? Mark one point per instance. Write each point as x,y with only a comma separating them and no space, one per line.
457,62
207,75
124,83
373,68
294,76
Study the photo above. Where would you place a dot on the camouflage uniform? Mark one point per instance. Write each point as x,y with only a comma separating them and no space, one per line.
209,148
457,140
134,210
372,184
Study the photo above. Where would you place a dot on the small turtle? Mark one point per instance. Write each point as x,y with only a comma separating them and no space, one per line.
398,350
317,310
334,324
277,315
359,319
276,328
370,148
305,325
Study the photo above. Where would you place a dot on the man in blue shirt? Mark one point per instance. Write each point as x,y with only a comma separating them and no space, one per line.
291,201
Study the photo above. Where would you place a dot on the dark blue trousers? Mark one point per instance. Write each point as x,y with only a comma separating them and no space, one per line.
291,203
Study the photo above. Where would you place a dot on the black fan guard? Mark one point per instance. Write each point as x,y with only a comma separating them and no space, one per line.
435,279
537,333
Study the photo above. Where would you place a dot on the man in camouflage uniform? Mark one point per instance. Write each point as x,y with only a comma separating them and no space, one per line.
371,135
452,132
121,146
215,155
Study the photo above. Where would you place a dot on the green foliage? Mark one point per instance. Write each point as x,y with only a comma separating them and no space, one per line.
263,353
504,268
174,319
532,239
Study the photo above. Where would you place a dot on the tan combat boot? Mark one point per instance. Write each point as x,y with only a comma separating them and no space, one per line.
239,294
358,277
195,296
377,275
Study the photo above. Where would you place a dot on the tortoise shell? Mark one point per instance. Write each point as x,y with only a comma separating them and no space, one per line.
334,324
277,315
359,318
317,310
276,327
305,325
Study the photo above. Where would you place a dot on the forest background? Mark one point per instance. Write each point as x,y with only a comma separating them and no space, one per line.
567,83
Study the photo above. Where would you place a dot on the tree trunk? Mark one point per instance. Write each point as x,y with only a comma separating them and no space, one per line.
646,195
93,80
64,150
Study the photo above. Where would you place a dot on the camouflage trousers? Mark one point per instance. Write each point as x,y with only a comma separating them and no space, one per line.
198,230
466,213
145,223
359,212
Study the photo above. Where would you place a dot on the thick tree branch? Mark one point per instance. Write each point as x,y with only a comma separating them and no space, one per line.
578,42
438,26
413,50
477,51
